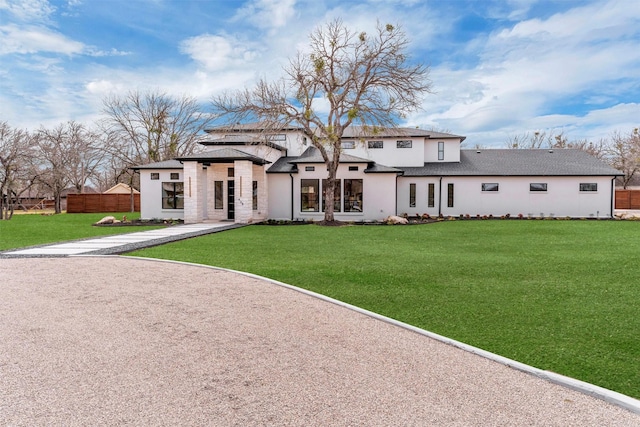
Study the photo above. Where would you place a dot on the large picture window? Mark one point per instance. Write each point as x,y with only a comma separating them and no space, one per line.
172,195
336,195
309,191
219,195
431,195
353,195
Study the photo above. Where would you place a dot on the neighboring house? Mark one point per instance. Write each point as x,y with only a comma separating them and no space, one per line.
247,177
121,188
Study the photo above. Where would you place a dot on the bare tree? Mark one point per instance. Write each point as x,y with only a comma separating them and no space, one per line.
624,154
68,155
366,80
15,167
152,126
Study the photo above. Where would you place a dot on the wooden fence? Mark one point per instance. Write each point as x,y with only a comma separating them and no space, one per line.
96,203
627,199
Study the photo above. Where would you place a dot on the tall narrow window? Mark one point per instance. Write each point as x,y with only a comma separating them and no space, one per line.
440,150
336,195
412,195
431,195
254,196
309,195
353,195
450,195
219,196
173,195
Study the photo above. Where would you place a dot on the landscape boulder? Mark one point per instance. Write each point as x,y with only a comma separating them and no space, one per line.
107,220
393,219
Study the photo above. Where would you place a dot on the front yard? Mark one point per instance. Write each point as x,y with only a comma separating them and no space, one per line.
559,295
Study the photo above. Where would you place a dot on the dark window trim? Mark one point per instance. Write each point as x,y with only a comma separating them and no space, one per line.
440,150
375,144
404,143
218,194
588,187
490,187
450,195
155,176
431,195
538,187
412,195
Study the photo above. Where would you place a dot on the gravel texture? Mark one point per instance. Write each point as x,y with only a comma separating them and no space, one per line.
121,341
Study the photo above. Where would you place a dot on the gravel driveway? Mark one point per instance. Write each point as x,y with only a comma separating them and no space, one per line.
120,341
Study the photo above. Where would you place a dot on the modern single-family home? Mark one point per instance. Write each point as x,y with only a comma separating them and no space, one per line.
245,175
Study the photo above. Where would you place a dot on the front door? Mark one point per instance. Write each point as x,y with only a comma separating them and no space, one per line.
231,213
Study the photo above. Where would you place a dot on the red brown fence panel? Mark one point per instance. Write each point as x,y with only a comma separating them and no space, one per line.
96,203
627,199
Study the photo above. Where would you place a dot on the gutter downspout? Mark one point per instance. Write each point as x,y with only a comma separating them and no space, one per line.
291,176
440,198
613,195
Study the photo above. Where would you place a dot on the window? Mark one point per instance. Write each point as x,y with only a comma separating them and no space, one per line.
353,195
175,175
231,172
353,168
450,195
172,195
155,175
431,195
404,144
309,168
588,186
440,150
375,144
309,195
255,195
537,186
491,186
336,195
348,145
412,195
218,194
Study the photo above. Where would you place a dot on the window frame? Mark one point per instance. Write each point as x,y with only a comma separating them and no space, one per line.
312,199
450,195
404,143
431,195
353,201
487,187
254,195
174,176
538,187
375,144
155,176
348,145
440,150
588,187
218,194
177,197
412,195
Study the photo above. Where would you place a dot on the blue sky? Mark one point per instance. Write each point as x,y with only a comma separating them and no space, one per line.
499,68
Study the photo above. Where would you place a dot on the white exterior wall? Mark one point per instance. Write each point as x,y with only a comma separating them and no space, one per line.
151,194
563,197
451,150
377,193
279,188
260,175
422,196
390,155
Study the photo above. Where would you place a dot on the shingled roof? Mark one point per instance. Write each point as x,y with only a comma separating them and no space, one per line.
507,162
167,164
224,155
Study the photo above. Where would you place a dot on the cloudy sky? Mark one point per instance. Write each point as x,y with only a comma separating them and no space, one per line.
499,68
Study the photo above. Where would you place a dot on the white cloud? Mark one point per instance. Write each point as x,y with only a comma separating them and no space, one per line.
267,13
28,10
31,39
217,52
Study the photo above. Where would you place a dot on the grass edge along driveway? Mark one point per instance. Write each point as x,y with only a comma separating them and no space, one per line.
558,295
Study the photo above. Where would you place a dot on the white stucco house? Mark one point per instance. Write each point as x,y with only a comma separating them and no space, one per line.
246,176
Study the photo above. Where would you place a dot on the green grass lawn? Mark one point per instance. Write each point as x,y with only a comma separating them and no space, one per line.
34,229
559,295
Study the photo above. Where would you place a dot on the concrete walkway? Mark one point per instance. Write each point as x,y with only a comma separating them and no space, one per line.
121,243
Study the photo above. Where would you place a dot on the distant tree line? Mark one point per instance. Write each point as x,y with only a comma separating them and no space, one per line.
621,150
135,129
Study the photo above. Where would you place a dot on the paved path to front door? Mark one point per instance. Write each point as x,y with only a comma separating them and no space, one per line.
121,243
